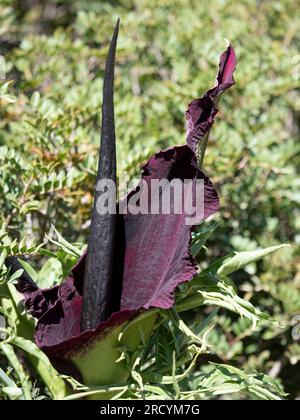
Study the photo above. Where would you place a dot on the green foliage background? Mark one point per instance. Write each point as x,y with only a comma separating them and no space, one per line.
167,55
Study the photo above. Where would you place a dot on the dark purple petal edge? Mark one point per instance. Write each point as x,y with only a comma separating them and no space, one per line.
201,112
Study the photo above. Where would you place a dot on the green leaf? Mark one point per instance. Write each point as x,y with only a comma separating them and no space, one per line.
5,86
16,276
13,392
50,274
201,236
41,363
241,259
8,98
35,98
31,271
6,380
65,245
8,351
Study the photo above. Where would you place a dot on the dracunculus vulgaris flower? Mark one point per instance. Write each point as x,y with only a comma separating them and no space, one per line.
133,263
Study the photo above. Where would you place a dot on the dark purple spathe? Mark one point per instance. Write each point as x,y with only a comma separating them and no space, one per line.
152,251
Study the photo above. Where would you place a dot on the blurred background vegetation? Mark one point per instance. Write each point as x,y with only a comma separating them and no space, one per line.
167,55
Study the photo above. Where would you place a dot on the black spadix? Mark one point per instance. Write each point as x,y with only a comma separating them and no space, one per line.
97,288
98,275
